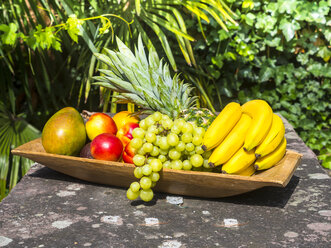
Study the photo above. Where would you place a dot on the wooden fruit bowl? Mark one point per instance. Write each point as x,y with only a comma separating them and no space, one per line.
189,183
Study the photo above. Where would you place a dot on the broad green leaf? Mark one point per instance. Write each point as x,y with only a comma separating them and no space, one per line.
287,6
9,36
289,28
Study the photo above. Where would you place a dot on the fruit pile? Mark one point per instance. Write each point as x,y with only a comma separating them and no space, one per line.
241,140
108,138
176,134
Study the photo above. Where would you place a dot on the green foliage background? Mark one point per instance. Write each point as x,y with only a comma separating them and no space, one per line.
279,51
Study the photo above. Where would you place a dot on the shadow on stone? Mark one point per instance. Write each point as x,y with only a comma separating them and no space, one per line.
267,196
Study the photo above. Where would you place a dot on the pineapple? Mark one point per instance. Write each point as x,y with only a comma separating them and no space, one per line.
201,117
147,83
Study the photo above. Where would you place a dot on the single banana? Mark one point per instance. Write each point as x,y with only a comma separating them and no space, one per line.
261,113
222,125
233,141
272,158
250,170
273,138
239,161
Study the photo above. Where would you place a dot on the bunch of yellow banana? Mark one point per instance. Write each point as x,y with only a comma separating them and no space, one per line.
245,138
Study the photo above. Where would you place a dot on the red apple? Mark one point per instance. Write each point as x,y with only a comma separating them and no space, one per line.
128,153
125,132
106,147
99,123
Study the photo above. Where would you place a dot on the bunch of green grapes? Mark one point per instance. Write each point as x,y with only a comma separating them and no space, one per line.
161,142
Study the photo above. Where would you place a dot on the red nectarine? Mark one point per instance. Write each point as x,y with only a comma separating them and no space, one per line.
125,132
128,154
106,147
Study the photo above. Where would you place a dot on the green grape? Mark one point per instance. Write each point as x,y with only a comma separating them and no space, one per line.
153,129
148,160
138,172
145,183
187,128
147,169
155,152
167,123
186,137
175,129
157,116
132,195
163,143
160,129
139,160
199,150
187,165
180,146
154,176
156,165
136,143
146,195
149,121
196,160
138,133
135,186
167,164
174,154
143,125
164,152
176,165
172,139
191,153
189,147
180,122
148,147
199,131
162,158
197,140
150,137
157,140
153,184
205,164
141,151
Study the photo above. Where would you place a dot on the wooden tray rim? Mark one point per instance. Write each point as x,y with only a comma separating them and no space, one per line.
258,178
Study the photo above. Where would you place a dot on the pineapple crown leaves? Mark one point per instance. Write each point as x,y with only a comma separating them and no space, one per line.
144,81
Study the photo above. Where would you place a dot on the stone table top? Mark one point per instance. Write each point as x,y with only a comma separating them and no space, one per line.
49,209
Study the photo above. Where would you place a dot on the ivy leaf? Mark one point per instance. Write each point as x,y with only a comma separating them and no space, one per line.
324,53
266,73
289,28
288,6
266,22
249,18
223,35
303,58
327,34
10,35
272,42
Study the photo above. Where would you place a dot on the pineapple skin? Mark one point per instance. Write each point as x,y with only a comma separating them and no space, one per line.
201,117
